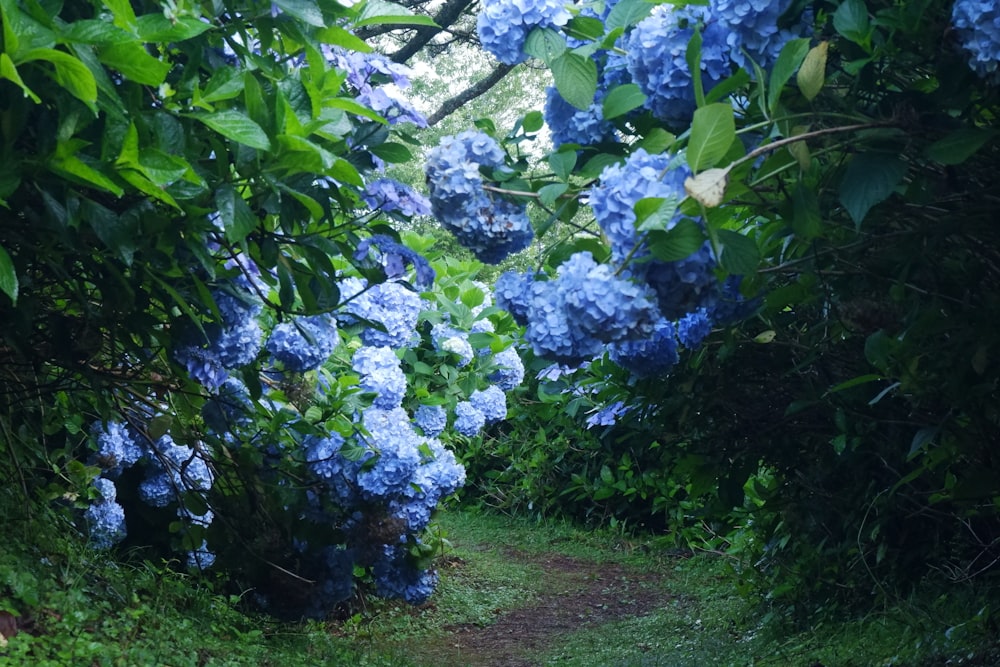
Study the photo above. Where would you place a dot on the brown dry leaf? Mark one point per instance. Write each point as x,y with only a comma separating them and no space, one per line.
708,187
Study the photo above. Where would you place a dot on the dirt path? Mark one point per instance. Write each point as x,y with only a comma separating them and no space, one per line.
578,594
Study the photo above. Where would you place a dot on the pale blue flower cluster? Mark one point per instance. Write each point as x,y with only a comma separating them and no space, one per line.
450,340
503,25
510,369
395,258
174,469
752,27
389,195
391,305
398,453
105,518
491,402
693,328
366,72
431,419
977,25
117,448
650,356
468,420
608,415
304,343
570,125
657,49
488,224
381,375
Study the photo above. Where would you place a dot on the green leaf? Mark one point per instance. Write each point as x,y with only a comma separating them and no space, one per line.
869,179
576,79
344,171
70,73
960,145
562,163
807,221
854,382
236,126
237,218
713,131
655,213
679,242
94,31
392,152
123,13
740,255
627,13
338,36
381,12
812,73
545,44
8,276
158,28
134,63
307,11
586,27
851,21
548,194
65,163
226,83
692,55
791,56
9,71
622,99
533,121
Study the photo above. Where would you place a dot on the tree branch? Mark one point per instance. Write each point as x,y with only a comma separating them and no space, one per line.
453,104
448,15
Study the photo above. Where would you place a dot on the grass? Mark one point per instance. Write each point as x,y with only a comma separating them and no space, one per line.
76,607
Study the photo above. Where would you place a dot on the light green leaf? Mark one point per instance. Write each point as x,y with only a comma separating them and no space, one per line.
158,28
9,71
655,213
70,73
851,21
65,163
622,99
713,131
226,83
545,44
307,11
237,218
8,276
94,31
337,36
344,171
548,194
392,152
123,13
740,255
869,179
134,62
562,163
627,13
576,79
791,56
692,56
812,73
236,126
381,12
683,239
960,145
586,27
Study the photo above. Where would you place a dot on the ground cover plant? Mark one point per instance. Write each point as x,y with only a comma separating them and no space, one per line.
753,290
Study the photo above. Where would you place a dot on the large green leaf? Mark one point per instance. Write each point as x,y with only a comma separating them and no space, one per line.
622,99
8,276
9,71
545,44
791,56
680,241
236,126
740,255
237,218
307,11
713,131
70,73
869,179
960,145
381,12
655,213
851,21
627,13
576,79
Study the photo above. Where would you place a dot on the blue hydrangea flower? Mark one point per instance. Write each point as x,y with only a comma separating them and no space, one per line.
570,125
381,374
693,328
510,369
491,402
468,420
229,409
203,365
503,25
117,447
200,558
173,470
657,50
729,304
751,26
513,293
432,419
685,285
489,225
390,304
608,415
651,356
304,343
366,72
397,577
621,186
389,195
106,523
449,340
977,24
324,460
482,326
398,454
395,257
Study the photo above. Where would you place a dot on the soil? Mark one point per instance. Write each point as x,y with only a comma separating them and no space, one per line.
582,594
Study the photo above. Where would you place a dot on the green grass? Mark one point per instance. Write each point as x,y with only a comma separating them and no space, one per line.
77,607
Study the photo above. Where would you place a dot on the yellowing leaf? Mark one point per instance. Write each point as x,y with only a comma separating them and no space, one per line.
709,187
812,72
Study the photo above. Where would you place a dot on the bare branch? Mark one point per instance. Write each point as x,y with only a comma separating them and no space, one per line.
453,104
450,13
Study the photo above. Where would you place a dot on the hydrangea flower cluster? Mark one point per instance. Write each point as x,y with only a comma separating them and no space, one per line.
977,24
503,25
653,355
608,415
389,304
232,343
366,73
468,420
492,227
380,374
491,402
570,125
303,343
572,318
693,328
431,419
389,195
174,469
510,369
395,258
117,448
450,340
752,26
397,577
105,518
